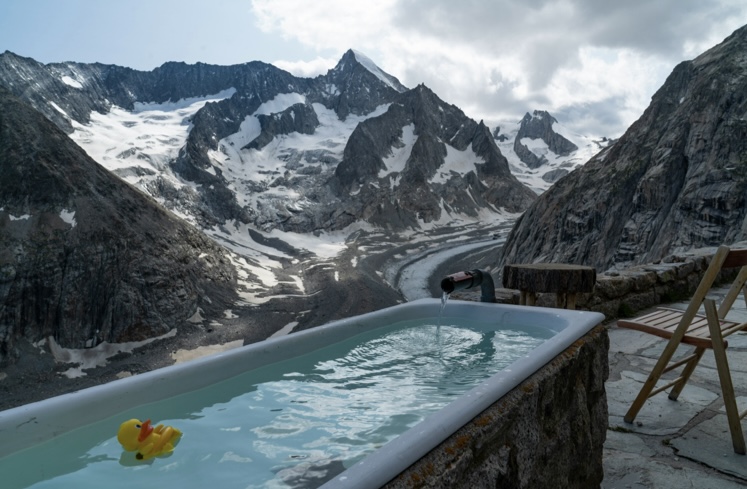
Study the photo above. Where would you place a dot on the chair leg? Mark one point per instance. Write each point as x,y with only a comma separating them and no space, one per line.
724,375
650,383
686,373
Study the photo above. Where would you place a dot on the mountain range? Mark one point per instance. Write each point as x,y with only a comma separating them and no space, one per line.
276,169
229,186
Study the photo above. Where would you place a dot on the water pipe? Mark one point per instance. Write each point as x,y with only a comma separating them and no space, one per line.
469,279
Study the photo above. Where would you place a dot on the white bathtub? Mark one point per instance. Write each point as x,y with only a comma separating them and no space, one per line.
28,425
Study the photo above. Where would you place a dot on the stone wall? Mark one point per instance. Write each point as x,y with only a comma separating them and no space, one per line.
547,432
673,279
627,292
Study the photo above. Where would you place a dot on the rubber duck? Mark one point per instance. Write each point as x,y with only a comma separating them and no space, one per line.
148,441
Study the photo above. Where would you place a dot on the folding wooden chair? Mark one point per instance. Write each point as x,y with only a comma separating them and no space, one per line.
701,331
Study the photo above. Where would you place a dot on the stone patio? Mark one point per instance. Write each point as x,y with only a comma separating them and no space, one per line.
684,443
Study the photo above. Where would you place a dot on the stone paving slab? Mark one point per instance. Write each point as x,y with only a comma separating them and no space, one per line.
631,464
709,443
660,415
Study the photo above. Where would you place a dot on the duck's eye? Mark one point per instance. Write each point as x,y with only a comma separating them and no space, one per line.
137,426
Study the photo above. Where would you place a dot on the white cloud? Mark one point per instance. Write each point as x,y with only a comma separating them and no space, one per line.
307,69
597,60
600,61
323,24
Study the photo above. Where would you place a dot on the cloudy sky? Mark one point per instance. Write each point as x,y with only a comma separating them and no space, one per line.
594,64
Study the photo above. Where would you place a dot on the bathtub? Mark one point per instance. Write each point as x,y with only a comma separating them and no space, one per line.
26,426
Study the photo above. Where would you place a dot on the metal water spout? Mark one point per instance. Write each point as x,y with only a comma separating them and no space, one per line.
469,279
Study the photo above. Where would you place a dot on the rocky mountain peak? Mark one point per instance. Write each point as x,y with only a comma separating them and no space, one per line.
676,180
358,86
539,125
423,158
232,160
354,60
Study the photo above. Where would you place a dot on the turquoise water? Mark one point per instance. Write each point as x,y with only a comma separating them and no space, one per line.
296,423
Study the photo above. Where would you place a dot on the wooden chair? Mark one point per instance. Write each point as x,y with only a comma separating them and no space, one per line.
700,331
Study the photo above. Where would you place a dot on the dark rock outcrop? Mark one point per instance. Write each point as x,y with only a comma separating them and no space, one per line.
554,175
539,126
357,90
86,258
677,179
299,118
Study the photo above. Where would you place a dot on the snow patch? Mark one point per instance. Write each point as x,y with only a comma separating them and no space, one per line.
96,356
537,146
280,103
19,218
184,103
181,356
70,81
68,217
58,109
460,162
149,137
396,161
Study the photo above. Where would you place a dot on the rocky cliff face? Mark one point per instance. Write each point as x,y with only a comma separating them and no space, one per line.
676,180
86,258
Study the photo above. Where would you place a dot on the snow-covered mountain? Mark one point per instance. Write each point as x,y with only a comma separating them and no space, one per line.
252,145
540,150
275,166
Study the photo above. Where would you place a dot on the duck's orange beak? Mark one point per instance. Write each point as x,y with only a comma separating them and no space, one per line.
145,430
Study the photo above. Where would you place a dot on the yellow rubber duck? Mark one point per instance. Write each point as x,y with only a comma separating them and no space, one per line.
146,440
